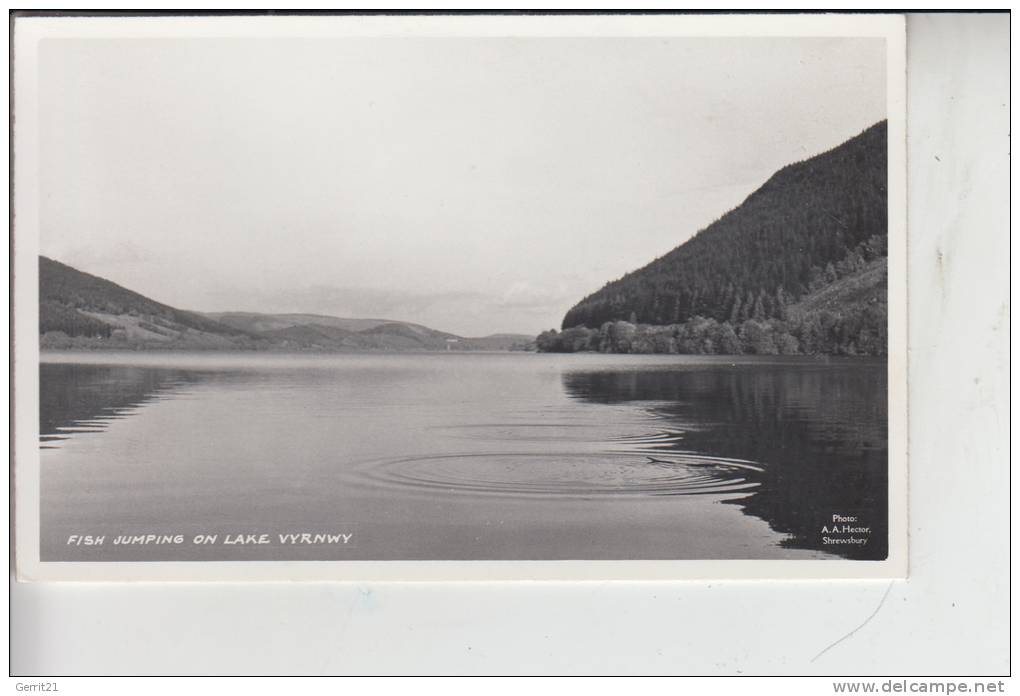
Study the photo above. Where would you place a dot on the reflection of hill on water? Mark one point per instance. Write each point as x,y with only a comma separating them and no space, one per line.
85,398
820,433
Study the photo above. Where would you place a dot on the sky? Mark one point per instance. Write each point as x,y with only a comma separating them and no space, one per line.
472,185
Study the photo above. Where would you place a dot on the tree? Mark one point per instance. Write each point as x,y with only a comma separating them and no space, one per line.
621,333
548,341
758,313
757,338
727,342
782,301
786,344
735,316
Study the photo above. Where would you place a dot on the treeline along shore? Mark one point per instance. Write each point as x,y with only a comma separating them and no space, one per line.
820,333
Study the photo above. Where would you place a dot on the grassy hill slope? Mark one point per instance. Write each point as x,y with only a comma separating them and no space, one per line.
866,287
76,305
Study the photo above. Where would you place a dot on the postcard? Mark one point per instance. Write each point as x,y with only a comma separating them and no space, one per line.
459,297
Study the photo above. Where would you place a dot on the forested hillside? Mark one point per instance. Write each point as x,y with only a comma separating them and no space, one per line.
799,267
787,237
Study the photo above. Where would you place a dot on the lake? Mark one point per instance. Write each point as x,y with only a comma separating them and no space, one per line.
214,456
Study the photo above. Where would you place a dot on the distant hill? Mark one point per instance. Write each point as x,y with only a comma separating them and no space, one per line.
74,304
340,333
254,321
767,252
79,310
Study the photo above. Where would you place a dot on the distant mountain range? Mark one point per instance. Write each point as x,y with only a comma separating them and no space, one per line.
79,310
798,267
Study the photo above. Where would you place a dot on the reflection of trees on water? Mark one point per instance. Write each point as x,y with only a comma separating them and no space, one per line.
820,433
90,395
819,430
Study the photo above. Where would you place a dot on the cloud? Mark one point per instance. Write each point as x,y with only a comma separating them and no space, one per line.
525,295
381,303
96,258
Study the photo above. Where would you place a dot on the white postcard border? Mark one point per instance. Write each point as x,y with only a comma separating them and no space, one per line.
29,32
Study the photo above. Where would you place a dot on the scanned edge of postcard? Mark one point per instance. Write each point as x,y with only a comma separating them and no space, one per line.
460,298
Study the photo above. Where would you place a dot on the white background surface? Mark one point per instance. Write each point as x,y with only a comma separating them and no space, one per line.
950,617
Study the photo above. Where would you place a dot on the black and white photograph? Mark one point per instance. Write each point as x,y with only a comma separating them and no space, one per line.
451,296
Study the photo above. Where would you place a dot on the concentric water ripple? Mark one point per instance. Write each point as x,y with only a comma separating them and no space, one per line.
583,475
554,431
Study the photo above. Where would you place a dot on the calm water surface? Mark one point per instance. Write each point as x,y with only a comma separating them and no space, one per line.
460,456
